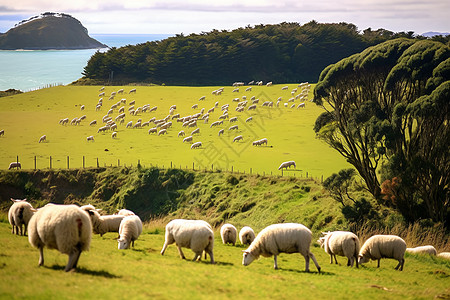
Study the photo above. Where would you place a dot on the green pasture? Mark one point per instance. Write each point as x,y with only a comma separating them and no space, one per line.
142,273
28,116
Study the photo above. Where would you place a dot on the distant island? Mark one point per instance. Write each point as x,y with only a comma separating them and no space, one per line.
49,31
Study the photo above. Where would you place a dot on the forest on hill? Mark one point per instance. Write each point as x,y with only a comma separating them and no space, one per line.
286,52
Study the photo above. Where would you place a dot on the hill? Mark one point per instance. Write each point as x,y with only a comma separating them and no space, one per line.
48,31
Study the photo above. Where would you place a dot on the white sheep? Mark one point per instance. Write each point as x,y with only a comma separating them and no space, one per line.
162,132
281,238
132,91
246,235
233,119
104,224
90,138
234,127
20,214
221,131
15,164
228,233
301,105
196,145
196,235
194,106
181,133
66,228
383,246
428,249
94,122
129,231
153,130
188,139
238,138
287,164
114,134
445,255
125,212
43,138
342,243
197,130
248,119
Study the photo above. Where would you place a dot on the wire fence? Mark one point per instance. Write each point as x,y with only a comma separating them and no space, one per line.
67,162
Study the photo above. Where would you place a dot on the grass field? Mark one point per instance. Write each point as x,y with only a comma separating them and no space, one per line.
142,273
28,116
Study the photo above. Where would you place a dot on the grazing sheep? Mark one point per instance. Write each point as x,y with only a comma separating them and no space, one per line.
194,106
43,138
233,119
94,122
181,133
238,138
101,89
132,91
269,83
221,131
429,249
153,130
196,235
281,238
125,212
188,139
101,94
445,255
195,131
202,98
15,164
82,107
228,234
129,231
342,243
66,228
104,224
301,105
260,142
249,119
114,134
287,164
234,127
246,235
162,132
253,106
90,138
196,145
383,246
20,214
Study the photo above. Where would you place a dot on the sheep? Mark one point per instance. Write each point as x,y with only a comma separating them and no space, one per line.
246,235
101,94
90,138
125,212
301,105
82,107
43,138
195,131
15,164
249,119
238,138
114,134
129,124
269,83
129,231
281,238
104,224
66,228
234,127
132,91
120,91
228,234
196,145
188,139
445,255
181,133
287,164
153,130
252,107
101,89
216,123
233,119
94,122
260,142
284,88
194,106
429,249
202,98
342,243
162,132
196,235
221,131
20,214
383,246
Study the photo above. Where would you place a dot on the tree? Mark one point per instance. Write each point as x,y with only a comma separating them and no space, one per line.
337,185
386,111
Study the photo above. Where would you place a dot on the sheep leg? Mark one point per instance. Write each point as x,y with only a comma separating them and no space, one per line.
331,258
378,263
356,260
197,256
73,260
41,256
212,256
181,252
275,264
306,263
314,260
335,260
400,264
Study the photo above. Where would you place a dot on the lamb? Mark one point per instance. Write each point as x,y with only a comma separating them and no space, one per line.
281,238
196,235
342,243
43,138
238,138
445,255
246,235
429,249
66,228
20,214
383,246
104,224
287,164
129,231
196,145
228,234
15,164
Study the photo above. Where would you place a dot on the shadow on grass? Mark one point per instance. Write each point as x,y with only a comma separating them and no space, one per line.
81,270
310,272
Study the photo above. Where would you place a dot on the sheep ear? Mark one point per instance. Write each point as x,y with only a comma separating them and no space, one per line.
90,212
245,251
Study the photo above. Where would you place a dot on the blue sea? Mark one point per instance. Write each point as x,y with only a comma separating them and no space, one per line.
30,70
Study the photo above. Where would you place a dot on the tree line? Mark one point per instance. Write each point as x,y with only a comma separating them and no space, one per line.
286,52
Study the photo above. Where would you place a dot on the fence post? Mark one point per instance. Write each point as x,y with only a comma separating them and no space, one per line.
193,168
231,169
83,162
67,161
250,171
171,165
50,162
35,162
98,166
212,167
306,174
118,162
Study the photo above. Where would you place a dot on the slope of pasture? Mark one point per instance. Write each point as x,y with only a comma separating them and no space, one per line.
142,273
28,116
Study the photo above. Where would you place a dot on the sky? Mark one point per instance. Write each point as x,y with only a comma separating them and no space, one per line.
196,16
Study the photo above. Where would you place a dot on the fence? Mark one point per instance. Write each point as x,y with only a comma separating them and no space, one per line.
67,162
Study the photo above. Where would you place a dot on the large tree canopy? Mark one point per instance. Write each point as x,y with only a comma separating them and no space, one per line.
387,113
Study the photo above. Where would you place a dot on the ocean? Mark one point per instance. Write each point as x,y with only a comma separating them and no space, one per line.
30,70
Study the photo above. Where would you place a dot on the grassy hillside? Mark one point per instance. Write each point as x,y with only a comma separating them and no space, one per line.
28,116
142,273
